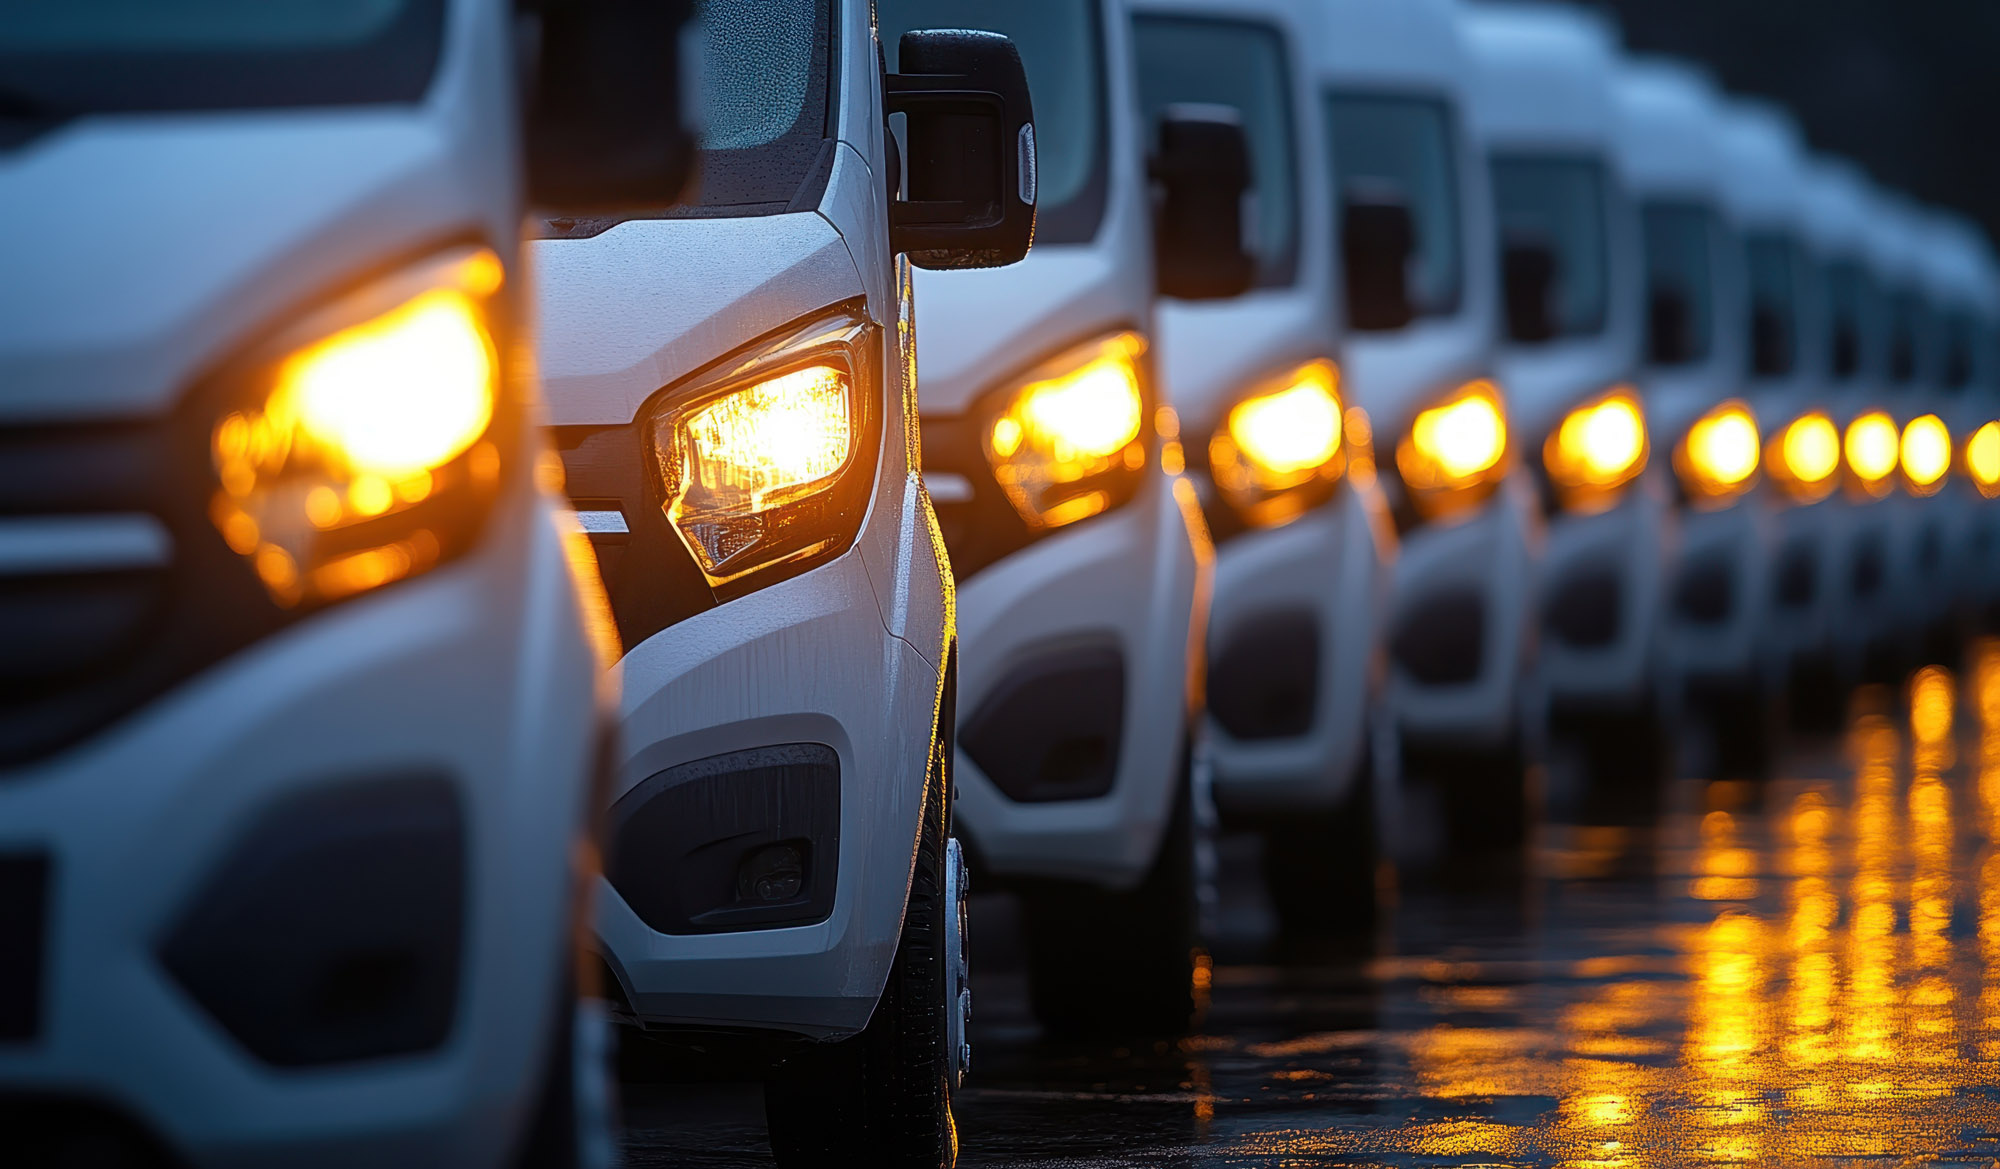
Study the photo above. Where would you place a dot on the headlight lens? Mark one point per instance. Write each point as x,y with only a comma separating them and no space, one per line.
1873,448
1982,459
1456,450
1281,445
756,460
1600,446
1804,457
1926,454
1071,440
369,451
1717,460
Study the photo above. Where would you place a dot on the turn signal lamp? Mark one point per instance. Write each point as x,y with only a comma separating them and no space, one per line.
1070,442
1281,449
1982,459
353,466
1926,454
1873,448
755,464
1456,451
1805,457
1599,447
1717,460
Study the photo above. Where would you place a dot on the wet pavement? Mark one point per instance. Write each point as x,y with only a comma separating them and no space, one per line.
1802,969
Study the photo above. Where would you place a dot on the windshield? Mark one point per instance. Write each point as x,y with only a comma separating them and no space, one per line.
1061,48
1557,204
1241,65
1680,282
61,58
1853,305
1403,146
764,104
1774,304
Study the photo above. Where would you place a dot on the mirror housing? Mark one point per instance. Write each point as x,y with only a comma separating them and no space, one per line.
1669,325
1528,280
969,155
1378,237
1202,170
602,118
1770,342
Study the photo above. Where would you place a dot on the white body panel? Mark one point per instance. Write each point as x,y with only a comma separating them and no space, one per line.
849,654
1413,47
1542,89
168,244
1333,563
1129,579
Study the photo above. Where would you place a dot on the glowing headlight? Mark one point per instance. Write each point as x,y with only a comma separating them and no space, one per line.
1718,458
1873,449
1600,446
1277,444
341,477
1982,459
1926,454
1071,440
1455,450
1805,457
753,461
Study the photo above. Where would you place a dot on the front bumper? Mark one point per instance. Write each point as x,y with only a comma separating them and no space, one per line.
1601,586
1294,655
473,682
1722,595
1461,623
1118,600
809,663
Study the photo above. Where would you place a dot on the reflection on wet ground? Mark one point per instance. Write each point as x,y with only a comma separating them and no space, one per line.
1803,969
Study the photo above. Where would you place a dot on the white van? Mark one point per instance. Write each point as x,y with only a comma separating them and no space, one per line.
1284,467
1719,600
1571,275
1422,312
303,730
1082,561
731,389
1967,294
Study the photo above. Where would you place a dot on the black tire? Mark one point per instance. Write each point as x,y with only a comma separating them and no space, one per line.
1104,962
569,1129
1747,730
1626,758
1484,794
1320,869
882,1099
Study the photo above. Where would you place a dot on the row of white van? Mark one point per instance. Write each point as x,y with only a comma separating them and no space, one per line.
1388,381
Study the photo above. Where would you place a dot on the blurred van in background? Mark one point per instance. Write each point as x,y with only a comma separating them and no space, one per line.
732,387
1570,264
1966,292
1420,289
1285,470
303,731
1082,561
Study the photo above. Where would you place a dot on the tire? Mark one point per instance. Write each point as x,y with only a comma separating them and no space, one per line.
1320,868
1484,795
1122,963
882,1099
573,1124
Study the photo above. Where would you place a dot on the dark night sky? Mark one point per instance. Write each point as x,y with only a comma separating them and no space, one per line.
1907,88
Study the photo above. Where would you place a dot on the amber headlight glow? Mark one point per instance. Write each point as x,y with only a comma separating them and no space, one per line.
1926,454
758,461
1599,447
367,457
1804,457
1071,440
1982,459
1280,449
1717,460
1873,449
1456,451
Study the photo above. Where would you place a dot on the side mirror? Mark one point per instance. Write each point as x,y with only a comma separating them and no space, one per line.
1846,350
1203,171
1770,343
969,157
1528,282
603,125
1669,326
1377,239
